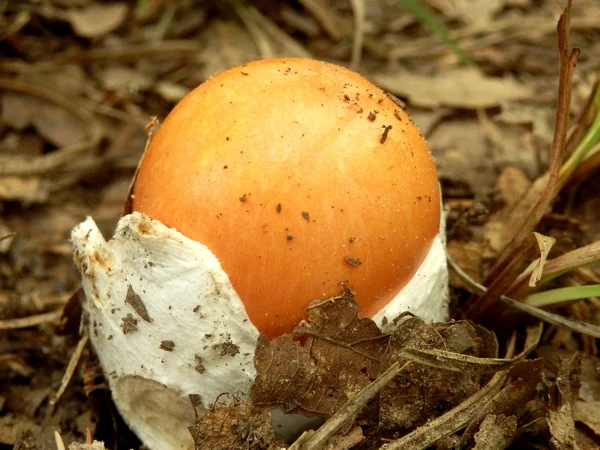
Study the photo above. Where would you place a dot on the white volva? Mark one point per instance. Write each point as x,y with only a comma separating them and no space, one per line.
166,322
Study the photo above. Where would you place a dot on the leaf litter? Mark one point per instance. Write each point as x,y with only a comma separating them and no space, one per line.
80,80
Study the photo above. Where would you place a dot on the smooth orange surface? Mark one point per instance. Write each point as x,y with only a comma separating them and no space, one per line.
295,133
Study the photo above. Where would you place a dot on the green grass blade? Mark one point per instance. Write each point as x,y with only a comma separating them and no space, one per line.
561,295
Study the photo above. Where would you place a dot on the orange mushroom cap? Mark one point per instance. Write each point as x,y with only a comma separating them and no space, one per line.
298,175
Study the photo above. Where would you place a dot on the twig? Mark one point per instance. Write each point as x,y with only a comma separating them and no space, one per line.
315,440
450,422
358,7
246,14
505,268
70,369
30,321
167,49
6,236
457,418
554,319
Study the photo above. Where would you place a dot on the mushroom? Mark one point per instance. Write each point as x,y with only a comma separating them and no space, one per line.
270,185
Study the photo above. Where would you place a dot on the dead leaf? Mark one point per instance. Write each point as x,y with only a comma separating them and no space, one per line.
341,355
236,426
540,118
171,92
589,390
512,183
588,414
468,255
126,79
462,154
478,14
415,396
56,125
225,45
28,190
560,407
526,374
496,432
466,87
98,19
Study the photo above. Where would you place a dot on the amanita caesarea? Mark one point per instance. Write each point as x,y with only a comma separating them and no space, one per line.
267,187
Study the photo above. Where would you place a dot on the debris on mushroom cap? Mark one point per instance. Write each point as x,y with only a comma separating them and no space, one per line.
332,147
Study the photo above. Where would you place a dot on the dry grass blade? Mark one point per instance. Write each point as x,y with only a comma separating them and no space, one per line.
457,418
167,49
545,316
574,259
358,7
545,244
247,15
579,257
70,369
530,215
26,166
60,445
30,321
554,319
503,278
7,236
458,362
315,440
326,18
265,32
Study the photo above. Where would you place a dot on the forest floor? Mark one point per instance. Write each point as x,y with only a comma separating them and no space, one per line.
81,79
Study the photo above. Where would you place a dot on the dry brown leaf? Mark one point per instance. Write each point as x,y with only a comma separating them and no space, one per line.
468,255
414,396
509,400
98,19
545,244
588,414
28,190
462,155
341,355
225,45
512,183
17,110
466,87
589,391
171,92
238,426
478,14
496,432
560,407
56,125
537,116
126,79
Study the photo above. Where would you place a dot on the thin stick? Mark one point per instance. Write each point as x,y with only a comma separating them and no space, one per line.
30,321
70,370
315,440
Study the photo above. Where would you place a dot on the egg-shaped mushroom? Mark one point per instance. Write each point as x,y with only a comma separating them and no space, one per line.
269,186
